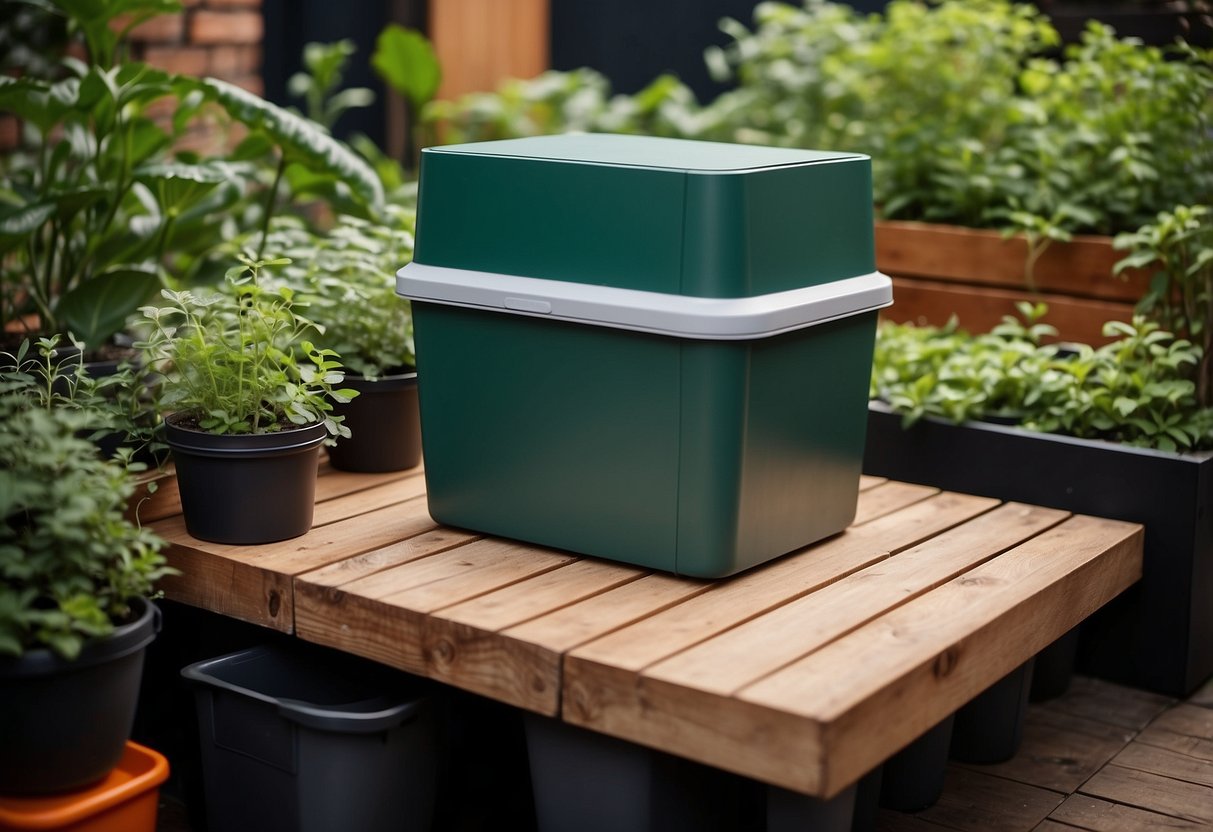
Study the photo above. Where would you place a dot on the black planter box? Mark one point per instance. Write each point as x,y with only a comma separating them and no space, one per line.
1157,635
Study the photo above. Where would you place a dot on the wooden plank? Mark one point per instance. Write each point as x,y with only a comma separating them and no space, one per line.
334,541
540,595
887,498
979,309
1081,267
327,615
384,616
508,563
470,559
480,43
1047,825
1110,703
1059,753
889,821
538,646
723,665
1153,792
866,481
365,500
1183,718
468,649
1085,812
1201,749
230,587
331,483
973,801
601,689
529,677
377,560
149,506
729,603
938,651
1168,763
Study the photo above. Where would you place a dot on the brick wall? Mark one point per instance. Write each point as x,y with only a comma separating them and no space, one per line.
208,37
220,38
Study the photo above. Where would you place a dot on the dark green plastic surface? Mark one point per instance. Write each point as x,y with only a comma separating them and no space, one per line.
701,458
663,215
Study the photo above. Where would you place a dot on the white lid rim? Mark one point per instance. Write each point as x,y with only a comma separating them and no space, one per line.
659,313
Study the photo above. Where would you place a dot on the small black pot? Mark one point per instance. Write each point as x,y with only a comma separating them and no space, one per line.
65,723
246,488
385,425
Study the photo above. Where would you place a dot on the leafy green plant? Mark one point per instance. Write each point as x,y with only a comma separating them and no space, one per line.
319,84
347,278
966,122
322,164
406,62
116,410
69,561
564,102
88,217
237,362
1180,244
1135,390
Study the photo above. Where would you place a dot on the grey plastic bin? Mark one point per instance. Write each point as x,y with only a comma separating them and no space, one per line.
309,740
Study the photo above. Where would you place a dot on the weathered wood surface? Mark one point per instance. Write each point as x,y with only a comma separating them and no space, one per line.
939,593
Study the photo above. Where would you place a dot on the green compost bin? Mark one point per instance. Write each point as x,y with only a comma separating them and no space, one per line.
650,350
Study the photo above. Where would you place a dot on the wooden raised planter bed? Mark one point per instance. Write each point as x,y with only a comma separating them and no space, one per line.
978,275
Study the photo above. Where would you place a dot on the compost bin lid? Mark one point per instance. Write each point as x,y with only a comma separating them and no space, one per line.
647,152
701,219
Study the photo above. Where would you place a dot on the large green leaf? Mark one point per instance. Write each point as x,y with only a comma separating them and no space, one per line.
406,61
300,140
25,220
179,185
99,307
41,104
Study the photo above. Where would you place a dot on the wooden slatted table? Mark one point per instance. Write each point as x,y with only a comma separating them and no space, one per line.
803,673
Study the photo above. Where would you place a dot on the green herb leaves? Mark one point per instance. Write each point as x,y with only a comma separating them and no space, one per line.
238,362
1137,389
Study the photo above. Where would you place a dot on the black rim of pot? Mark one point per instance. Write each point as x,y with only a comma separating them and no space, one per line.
125,639
299,438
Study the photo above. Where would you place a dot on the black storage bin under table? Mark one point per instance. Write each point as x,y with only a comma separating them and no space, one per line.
305,739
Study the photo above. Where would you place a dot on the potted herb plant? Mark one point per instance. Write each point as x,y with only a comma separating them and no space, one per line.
75,614
1115,431
249,403
347,278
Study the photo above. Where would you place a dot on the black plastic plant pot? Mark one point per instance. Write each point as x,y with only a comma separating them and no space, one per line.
384,423
246,488
989,729
1053,668
912,779
590,782
65,723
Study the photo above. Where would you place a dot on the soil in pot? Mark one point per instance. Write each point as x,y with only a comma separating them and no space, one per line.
246,488
384,423
65,723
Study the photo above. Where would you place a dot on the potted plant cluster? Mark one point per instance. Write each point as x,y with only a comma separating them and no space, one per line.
347,278
248,404
76,579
